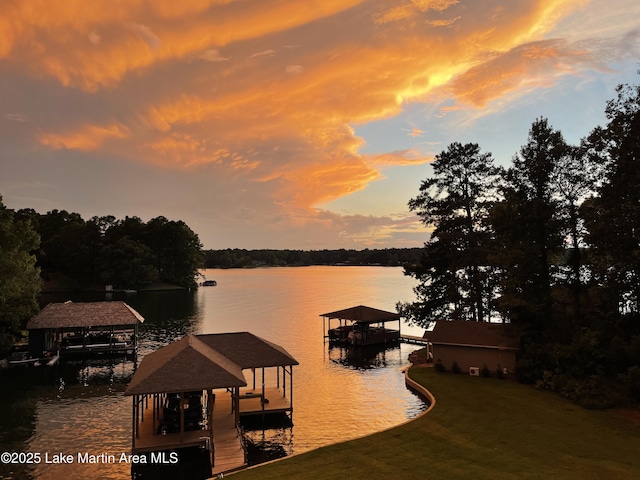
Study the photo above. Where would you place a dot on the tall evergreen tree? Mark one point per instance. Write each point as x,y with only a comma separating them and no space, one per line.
576,176
527,227
613,217
454,272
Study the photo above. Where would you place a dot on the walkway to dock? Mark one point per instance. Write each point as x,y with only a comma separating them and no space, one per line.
413,339
228,449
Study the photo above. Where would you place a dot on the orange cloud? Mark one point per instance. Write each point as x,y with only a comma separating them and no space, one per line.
395,159
530,64
88,137
413,7
94,45
242,88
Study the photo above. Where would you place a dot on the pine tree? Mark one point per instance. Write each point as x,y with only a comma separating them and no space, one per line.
528,229
454,272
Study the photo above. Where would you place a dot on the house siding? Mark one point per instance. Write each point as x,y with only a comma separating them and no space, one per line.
474,357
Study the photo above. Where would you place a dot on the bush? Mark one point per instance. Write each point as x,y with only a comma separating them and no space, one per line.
484,371
439,366
455,368
593,392
633,381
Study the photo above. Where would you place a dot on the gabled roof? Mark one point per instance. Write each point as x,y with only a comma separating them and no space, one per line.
475,334
248,350
84,314
202,362
184,366
363,314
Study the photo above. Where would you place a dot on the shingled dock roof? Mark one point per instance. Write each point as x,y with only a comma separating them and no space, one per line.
184,366
475,334
363,314
201,362
248,350
84,314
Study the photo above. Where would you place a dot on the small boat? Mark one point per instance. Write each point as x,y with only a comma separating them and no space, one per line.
209,283
53,360
50,359
22,358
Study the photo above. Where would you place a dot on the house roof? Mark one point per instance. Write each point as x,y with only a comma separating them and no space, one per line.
248,350
201,362
363,314
184,366
474,334
84,314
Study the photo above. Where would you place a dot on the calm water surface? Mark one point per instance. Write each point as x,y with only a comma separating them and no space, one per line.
339,394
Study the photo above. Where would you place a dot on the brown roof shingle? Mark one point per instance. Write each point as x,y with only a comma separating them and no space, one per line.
184,366
248,350
363,314
84,314
200,362
476,334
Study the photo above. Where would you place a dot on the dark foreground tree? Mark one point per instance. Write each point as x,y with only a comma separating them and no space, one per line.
528,230
613,218
177,250
19,277
576,177
454,272
126,263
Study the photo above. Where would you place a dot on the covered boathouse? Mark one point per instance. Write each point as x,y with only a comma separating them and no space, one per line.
361,326
475,345
73,328
192,393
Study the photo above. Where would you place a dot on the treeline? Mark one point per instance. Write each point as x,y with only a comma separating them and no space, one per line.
240,258
19,276
126,253
552,244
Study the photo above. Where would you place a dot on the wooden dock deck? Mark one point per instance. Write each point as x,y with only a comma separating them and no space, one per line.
251,402
228,444
413,339
148,441
228,450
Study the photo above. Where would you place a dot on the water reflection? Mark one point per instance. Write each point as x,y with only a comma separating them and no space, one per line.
363,358
169,316
79,406
268,444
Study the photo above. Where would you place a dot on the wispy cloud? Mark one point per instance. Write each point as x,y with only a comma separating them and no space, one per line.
212,55
263,53
16,117
216,90
415,132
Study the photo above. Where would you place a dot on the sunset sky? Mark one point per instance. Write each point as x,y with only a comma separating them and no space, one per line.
288,123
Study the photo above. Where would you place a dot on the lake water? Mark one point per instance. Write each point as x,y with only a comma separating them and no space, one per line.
339,394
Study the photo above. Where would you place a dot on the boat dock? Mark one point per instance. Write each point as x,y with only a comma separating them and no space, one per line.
192,393
229,452
361,325
84,328
148,440
414,340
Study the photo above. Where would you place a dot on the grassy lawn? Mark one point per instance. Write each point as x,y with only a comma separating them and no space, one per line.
480,428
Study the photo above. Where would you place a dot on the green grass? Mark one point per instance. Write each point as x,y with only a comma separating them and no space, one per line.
480,429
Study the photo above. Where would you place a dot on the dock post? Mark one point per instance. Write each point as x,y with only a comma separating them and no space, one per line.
133,421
